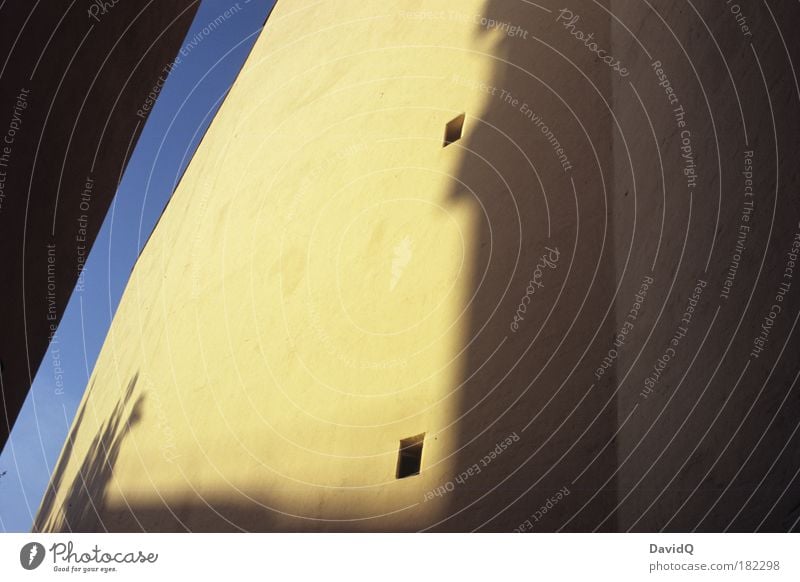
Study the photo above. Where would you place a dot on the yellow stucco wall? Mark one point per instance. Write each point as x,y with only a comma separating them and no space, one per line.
300,306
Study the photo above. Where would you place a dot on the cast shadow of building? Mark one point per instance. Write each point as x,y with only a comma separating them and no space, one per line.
538,168
84,505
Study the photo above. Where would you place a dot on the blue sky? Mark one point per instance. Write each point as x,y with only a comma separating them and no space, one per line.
185,107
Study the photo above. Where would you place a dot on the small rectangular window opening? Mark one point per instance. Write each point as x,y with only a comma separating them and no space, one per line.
409,459
453,130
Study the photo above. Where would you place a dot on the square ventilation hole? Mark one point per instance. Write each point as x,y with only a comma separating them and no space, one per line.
453,130
409,459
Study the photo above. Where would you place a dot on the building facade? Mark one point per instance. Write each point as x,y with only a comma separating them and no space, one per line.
455,266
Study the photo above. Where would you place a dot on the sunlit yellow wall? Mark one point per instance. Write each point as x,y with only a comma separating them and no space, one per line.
299,308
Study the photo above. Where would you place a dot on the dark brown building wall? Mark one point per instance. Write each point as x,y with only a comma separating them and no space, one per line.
75,79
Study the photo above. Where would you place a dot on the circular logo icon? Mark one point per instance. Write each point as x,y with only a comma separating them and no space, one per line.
31,555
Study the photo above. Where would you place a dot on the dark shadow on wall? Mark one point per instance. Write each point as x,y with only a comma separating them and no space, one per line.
84,509
192,513
710,459
543,281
